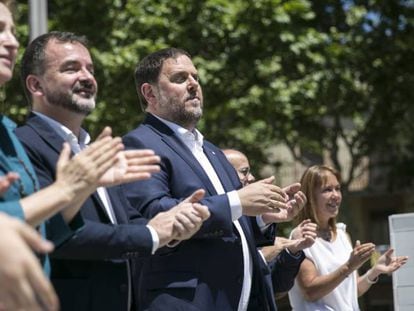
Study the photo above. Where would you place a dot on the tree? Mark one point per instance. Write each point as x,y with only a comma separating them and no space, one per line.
299,72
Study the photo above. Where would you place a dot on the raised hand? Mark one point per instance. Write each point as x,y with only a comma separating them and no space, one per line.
23,285
190,215
303,236
262,197
131,165
387,263
296,201
360,254
82,173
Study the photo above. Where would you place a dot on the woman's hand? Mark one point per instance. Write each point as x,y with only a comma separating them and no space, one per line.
360,254
387,264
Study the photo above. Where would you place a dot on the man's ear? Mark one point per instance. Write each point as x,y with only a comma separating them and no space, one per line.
34,86
147,90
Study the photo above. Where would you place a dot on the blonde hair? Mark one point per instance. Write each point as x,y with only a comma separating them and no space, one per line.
312,179
10,4
7,3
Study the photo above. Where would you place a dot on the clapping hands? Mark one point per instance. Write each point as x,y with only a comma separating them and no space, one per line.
23,285
387,263
360,254
131,165
295,201
104,163
303,236
182,221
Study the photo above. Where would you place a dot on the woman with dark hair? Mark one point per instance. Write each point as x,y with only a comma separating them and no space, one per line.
328,277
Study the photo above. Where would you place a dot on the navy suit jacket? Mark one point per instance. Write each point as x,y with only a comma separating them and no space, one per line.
89,271
205,272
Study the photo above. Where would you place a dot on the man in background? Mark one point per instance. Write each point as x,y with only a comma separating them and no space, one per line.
305,233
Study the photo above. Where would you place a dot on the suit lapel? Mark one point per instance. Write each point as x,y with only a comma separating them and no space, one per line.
46,132
218,167
98,202
176,144
55,142
114,196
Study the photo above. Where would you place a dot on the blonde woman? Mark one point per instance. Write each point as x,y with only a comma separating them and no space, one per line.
328,278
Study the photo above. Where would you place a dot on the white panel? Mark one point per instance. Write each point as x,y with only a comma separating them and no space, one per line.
402,240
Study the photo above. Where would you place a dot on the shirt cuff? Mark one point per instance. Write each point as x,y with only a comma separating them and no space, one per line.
297,256
235,205
262,225
155,239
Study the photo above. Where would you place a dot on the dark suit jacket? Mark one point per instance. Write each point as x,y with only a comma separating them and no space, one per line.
205,272
89,271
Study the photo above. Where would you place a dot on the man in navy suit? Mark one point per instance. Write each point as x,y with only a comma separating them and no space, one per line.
219,268
91,271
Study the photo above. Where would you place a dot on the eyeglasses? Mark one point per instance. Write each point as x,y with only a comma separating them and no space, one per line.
245,171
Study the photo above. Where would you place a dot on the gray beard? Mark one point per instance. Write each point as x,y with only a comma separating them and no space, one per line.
68,102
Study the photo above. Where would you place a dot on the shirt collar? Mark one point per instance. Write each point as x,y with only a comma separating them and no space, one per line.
65,133
183,133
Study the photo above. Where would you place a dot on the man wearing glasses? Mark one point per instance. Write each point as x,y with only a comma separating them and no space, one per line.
305,232
241,164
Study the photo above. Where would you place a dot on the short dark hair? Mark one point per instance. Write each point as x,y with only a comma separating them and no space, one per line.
149,68
33,61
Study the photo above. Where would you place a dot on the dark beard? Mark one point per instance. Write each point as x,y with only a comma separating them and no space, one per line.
187,120
182,117
68,102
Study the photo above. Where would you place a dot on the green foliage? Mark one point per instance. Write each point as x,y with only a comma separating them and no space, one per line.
295,71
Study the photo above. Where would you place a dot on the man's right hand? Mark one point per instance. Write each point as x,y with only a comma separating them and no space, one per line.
262,197
182,221
23,285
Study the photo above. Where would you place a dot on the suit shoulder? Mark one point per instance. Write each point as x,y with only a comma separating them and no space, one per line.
23,129
142,135
25,133
135,132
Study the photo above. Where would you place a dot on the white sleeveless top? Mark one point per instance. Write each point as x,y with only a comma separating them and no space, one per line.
327,257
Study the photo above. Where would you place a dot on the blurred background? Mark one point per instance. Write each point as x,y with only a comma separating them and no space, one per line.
289,83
